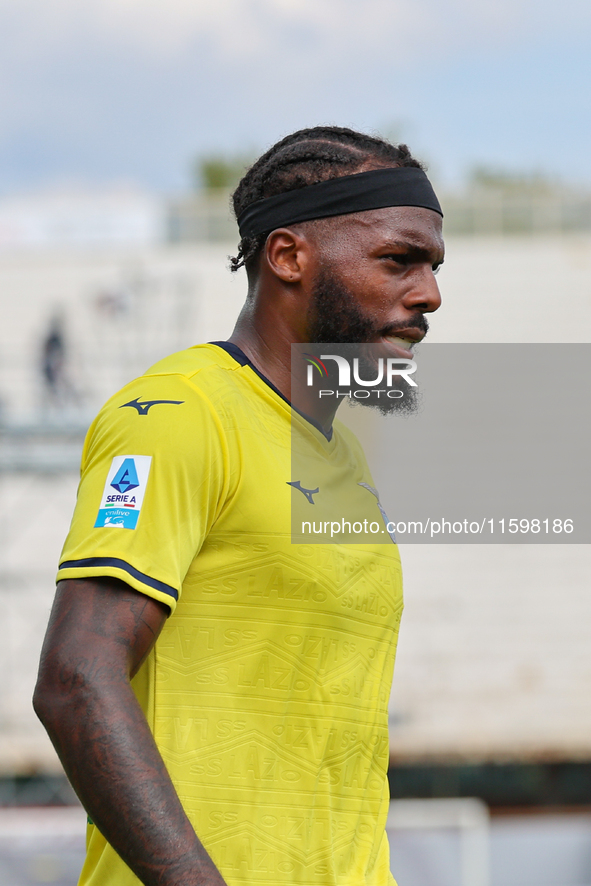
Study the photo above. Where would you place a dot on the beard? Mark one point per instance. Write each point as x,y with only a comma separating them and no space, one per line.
334,317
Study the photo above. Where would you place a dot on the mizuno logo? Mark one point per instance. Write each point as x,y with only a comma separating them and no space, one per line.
307,492
142,408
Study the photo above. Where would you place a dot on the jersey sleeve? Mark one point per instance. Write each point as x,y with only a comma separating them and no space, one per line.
154,479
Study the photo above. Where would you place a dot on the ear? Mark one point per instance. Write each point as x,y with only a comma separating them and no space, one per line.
287,254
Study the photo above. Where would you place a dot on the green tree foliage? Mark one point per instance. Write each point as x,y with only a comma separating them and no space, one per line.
532,183
216,172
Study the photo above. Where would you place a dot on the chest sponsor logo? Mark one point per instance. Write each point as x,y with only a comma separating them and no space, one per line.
124,490
375,492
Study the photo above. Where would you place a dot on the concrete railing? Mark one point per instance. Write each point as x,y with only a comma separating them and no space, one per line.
480,211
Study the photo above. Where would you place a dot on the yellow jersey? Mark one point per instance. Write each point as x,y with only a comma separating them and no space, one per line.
267,689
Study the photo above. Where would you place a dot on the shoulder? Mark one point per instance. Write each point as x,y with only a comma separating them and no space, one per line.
177,403
192,362
187,377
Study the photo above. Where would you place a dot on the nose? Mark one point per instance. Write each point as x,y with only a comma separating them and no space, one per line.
424,295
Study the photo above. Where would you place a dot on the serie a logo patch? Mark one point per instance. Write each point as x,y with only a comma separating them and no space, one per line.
124,490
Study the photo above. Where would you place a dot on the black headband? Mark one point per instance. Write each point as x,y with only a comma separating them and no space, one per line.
376,189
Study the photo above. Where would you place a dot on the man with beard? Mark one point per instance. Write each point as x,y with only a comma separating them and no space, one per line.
217,694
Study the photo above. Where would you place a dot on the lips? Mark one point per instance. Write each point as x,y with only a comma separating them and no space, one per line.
400,342
403,343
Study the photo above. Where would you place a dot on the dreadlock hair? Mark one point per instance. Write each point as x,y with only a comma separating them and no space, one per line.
304,158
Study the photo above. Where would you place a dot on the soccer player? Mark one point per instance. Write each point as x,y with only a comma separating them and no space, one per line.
218,695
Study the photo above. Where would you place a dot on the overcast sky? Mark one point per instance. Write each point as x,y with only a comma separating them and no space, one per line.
106,90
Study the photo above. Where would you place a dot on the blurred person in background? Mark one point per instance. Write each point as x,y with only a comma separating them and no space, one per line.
220,711
53,358
58,390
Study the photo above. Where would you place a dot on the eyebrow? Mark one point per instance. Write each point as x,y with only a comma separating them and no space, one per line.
413,247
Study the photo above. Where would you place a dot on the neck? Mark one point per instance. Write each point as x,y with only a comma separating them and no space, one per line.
266,336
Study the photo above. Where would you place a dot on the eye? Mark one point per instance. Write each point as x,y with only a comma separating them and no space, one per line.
400,258
436,268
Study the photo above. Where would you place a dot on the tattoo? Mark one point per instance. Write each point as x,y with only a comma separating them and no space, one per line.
99,634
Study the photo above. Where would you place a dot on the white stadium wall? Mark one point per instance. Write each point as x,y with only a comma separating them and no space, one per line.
493,659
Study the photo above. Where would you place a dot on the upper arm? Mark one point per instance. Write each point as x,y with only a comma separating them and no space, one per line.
98,627
152,486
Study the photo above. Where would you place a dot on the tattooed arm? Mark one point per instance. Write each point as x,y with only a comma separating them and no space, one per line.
99,633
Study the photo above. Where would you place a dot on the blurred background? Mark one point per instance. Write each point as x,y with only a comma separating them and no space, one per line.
123,127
